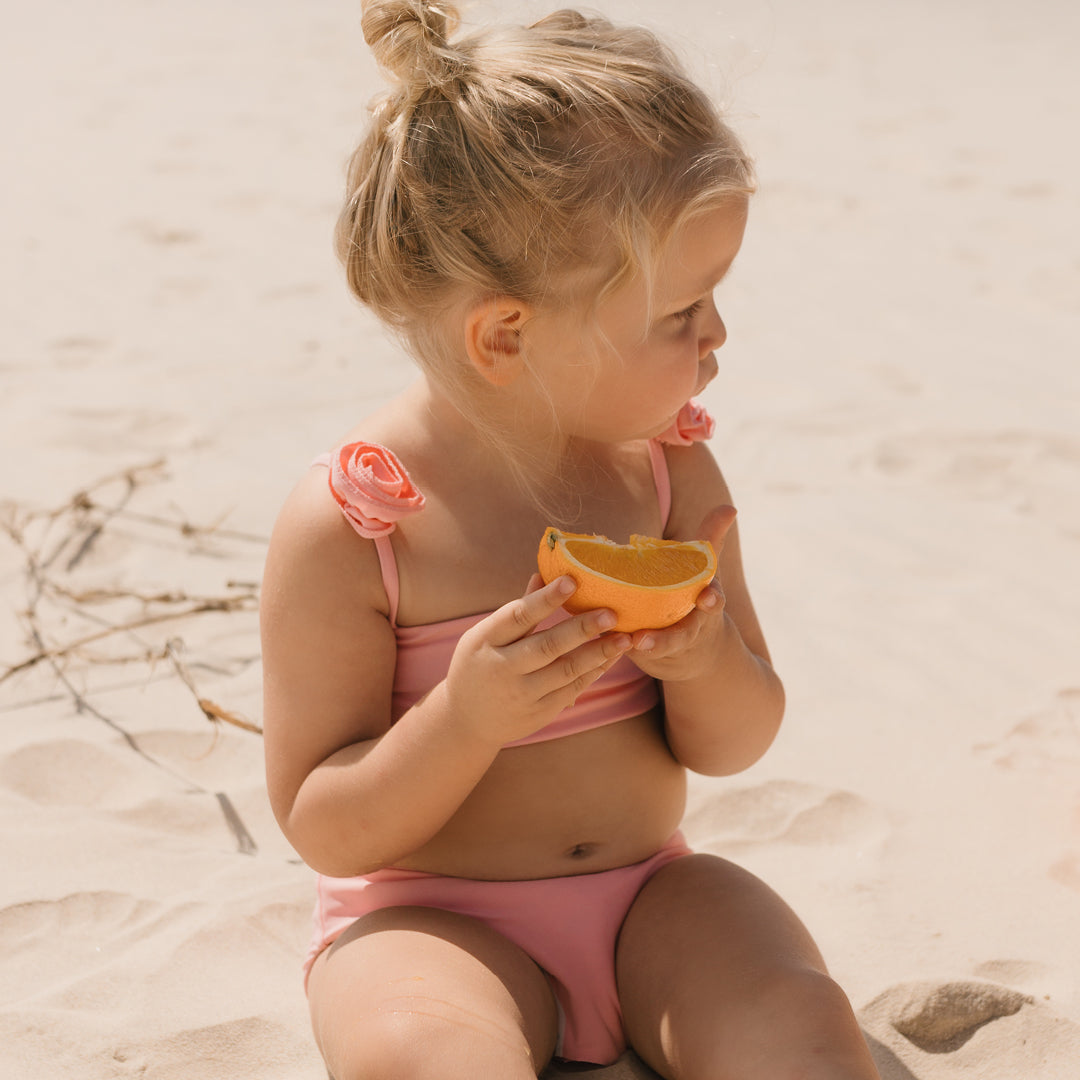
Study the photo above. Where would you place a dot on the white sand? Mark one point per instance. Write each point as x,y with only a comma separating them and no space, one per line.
898,408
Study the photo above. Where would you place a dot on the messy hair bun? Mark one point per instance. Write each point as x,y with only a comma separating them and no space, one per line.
409,39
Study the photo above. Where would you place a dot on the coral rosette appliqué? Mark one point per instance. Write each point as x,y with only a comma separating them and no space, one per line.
693,424
372,488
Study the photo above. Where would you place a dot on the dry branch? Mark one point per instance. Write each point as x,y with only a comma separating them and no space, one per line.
83,519
81,522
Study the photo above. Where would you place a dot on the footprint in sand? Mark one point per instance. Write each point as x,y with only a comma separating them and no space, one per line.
225,772
1035,473
77,350
160,791
967,1027
1041,981
69,772
139,430
787,811
50,945
246,1046
988,463
1048,741
107,984
213,759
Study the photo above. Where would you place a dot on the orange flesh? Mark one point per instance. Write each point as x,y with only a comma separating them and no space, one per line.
650,566
647,583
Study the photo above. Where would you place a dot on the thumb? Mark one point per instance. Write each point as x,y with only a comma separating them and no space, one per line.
716,524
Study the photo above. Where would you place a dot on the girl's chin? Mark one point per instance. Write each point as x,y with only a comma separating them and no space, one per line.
666,425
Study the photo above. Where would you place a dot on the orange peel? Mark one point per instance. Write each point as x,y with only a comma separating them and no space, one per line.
649,583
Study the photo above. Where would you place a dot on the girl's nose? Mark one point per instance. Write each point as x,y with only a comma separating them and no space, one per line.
713,331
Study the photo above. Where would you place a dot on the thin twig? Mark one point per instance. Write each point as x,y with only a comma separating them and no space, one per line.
179,596
245,842
84,706
99,527
184,528
213,712
81,504
222,604
86,520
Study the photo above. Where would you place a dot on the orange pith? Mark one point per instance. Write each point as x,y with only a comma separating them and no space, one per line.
648,583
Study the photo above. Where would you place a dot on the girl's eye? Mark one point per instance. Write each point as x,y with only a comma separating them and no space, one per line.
688,313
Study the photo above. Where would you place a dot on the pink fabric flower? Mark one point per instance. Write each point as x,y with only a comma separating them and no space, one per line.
372,488
693,424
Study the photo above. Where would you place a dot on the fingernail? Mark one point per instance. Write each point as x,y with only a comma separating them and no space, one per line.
646,643
606,620
709,600
566,586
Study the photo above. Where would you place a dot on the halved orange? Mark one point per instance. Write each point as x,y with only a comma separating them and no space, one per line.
648,583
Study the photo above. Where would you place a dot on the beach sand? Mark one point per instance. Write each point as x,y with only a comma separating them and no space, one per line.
897,415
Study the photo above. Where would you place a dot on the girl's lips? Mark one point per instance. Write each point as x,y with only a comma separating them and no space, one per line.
712,368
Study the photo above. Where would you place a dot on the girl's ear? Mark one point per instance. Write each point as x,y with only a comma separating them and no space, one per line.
493,339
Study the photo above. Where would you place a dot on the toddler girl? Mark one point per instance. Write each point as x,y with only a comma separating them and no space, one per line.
489,788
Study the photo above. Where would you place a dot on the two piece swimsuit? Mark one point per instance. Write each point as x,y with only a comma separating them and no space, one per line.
567,925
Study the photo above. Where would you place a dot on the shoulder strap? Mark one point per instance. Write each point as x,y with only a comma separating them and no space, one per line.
693,424
662,479
390,580
378,532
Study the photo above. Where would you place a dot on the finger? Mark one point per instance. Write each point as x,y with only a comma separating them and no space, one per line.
716,524
535,582
710,600
520,617
548,645
671,639
573,672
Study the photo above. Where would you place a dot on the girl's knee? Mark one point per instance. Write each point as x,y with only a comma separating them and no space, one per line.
429,1041
813,1021
372,1047
806,987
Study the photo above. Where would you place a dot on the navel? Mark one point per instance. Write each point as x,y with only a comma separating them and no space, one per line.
582,851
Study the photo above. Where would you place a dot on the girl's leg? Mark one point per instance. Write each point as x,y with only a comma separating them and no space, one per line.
719,980
415,993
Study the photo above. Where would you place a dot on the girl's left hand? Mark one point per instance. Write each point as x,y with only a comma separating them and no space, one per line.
687,648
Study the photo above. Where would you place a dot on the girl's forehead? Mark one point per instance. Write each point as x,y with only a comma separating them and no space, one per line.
698,253
710,238
688,263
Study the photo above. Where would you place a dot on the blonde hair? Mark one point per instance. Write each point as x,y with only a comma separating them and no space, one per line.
507,161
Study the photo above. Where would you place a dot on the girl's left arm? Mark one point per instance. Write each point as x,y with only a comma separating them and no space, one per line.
723,700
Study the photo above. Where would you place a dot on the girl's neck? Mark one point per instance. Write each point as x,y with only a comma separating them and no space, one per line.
527,458
492,430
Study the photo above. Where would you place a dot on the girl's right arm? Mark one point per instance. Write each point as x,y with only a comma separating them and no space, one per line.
351,792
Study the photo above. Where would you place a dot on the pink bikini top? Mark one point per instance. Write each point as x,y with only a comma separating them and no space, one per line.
374,491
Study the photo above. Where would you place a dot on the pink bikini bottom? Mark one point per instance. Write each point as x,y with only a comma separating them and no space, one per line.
568,925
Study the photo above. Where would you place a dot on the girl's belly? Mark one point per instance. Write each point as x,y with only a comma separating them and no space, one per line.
587,802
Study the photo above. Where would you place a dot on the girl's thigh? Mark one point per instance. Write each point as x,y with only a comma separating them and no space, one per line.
415,992
718,977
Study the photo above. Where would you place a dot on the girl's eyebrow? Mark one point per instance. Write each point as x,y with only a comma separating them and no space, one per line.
706,285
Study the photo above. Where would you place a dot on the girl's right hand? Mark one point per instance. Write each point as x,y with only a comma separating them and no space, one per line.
507,679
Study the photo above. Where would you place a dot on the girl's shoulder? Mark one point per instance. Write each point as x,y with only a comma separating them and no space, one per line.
344,490
697,486
315,553
693,476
